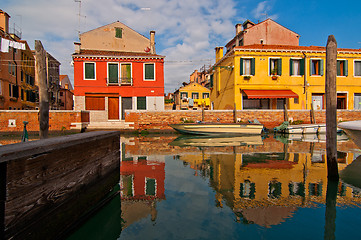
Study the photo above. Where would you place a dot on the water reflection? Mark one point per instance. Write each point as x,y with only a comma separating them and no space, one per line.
263,182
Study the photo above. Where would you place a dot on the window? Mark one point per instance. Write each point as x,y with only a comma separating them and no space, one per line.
357,101
1,88
247,66
12,69
118,32
126,73
150,187
342,68
316,67
195,95
89,71
205,95
184,95
275,66
357,68
297,67
211,81
10,90
141,103
61,94
149,72
113,73
94,103
341,101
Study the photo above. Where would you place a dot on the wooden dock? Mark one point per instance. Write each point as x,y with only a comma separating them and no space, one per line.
48,185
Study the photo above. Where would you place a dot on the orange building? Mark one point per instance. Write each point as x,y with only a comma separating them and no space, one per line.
115,69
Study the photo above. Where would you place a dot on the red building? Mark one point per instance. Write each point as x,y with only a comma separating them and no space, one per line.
117,69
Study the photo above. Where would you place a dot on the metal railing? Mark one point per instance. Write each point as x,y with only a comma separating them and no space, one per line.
119,81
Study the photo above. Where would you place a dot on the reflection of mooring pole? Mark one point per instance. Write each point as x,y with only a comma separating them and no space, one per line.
330,216
331,108
25,136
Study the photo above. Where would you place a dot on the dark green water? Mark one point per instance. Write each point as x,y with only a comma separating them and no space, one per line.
262,190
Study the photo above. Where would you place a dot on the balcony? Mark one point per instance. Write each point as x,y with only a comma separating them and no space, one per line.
119,81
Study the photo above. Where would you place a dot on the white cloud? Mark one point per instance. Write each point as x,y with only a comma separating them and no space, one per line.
187,31
262,11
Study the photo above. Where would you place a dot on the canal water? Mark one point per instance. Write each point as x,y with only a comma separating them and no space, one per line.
229,188
271,187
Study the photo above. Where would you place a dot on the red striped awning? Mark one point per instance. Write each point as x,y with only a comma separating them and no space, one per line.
270,94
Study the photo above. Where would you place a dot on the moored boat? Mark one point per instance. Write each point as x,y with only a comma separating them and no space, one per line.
218,128
353,130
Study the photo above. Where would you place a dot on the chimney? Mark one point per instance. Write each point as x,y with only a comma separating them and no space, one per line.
219,53
77,46
4,21
152,42
238,28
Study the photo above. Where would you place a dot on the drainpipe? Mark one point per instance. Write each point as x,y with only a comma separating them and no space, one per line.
305,84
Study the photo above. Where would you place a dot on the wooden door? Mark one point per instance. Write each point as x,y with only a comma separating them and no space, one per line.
113,108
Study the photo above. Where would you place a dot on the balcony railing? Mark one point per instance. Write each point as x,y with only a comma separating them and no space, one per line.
119,81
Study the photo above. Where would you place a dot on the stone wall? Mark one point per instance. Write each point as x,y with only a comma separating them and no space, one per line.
269,118
59,120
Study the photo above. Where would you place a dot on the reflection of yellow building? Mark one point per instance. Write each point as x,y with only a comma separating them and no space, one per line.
192,96
273,185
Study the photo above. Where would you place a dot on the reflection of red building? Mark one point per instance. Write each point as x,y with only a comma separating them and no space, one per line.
142,179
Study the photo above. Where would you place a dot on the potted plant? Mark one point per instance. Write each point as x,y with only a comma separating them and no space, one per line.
274,74
247,77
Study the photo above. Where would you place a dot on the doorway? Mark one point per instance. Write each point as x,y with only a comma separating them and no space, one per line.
113,108
126,105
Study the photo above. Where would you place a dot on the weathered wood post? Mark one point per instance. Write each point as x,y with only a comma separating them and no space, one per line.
40,68
331,109
202,112
313,119
285,117
235,114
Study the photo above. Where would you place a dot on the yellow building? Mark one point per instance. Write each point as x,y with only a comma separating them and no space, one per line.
268,76
192,96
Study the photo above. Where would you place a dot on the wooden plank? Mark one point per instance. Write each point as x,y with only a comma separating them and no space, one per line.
66,174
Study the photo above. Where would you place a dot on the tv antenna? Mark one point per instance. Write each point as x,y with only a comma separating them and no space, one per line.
79,16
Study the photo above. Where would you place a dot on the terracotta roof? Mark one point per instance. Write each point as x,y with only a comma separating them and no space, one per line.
115,53
61,77
287,47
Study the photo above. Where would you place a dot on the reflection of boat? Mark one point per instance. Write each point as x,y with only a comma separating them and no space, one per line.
218,128
341,137
351,174
217,141
353,129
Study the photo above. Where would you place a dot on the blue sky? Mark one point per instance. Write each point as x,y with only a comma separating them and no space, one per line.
187,31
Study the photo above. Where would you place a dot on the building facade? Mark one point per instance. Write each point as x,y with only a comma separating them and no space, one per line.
115,69
17,70
264,76
192,96
65,93
267,32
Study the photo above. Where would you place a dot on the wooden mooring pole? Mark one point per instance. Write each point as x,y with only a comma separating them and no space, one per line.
331,109
40,68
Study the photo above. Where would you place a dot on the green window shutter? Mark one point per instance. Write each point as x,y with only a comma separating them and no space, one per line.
311,68
253,66
141,103
346,68
149,71
338,68
211,81
113,75
118,32
279,67
150,187
291,67
89,71
321,67
241,67
302,66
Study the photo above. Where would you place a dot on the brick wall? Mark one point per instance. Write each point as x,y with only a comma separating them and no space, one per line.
269,118
12,121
